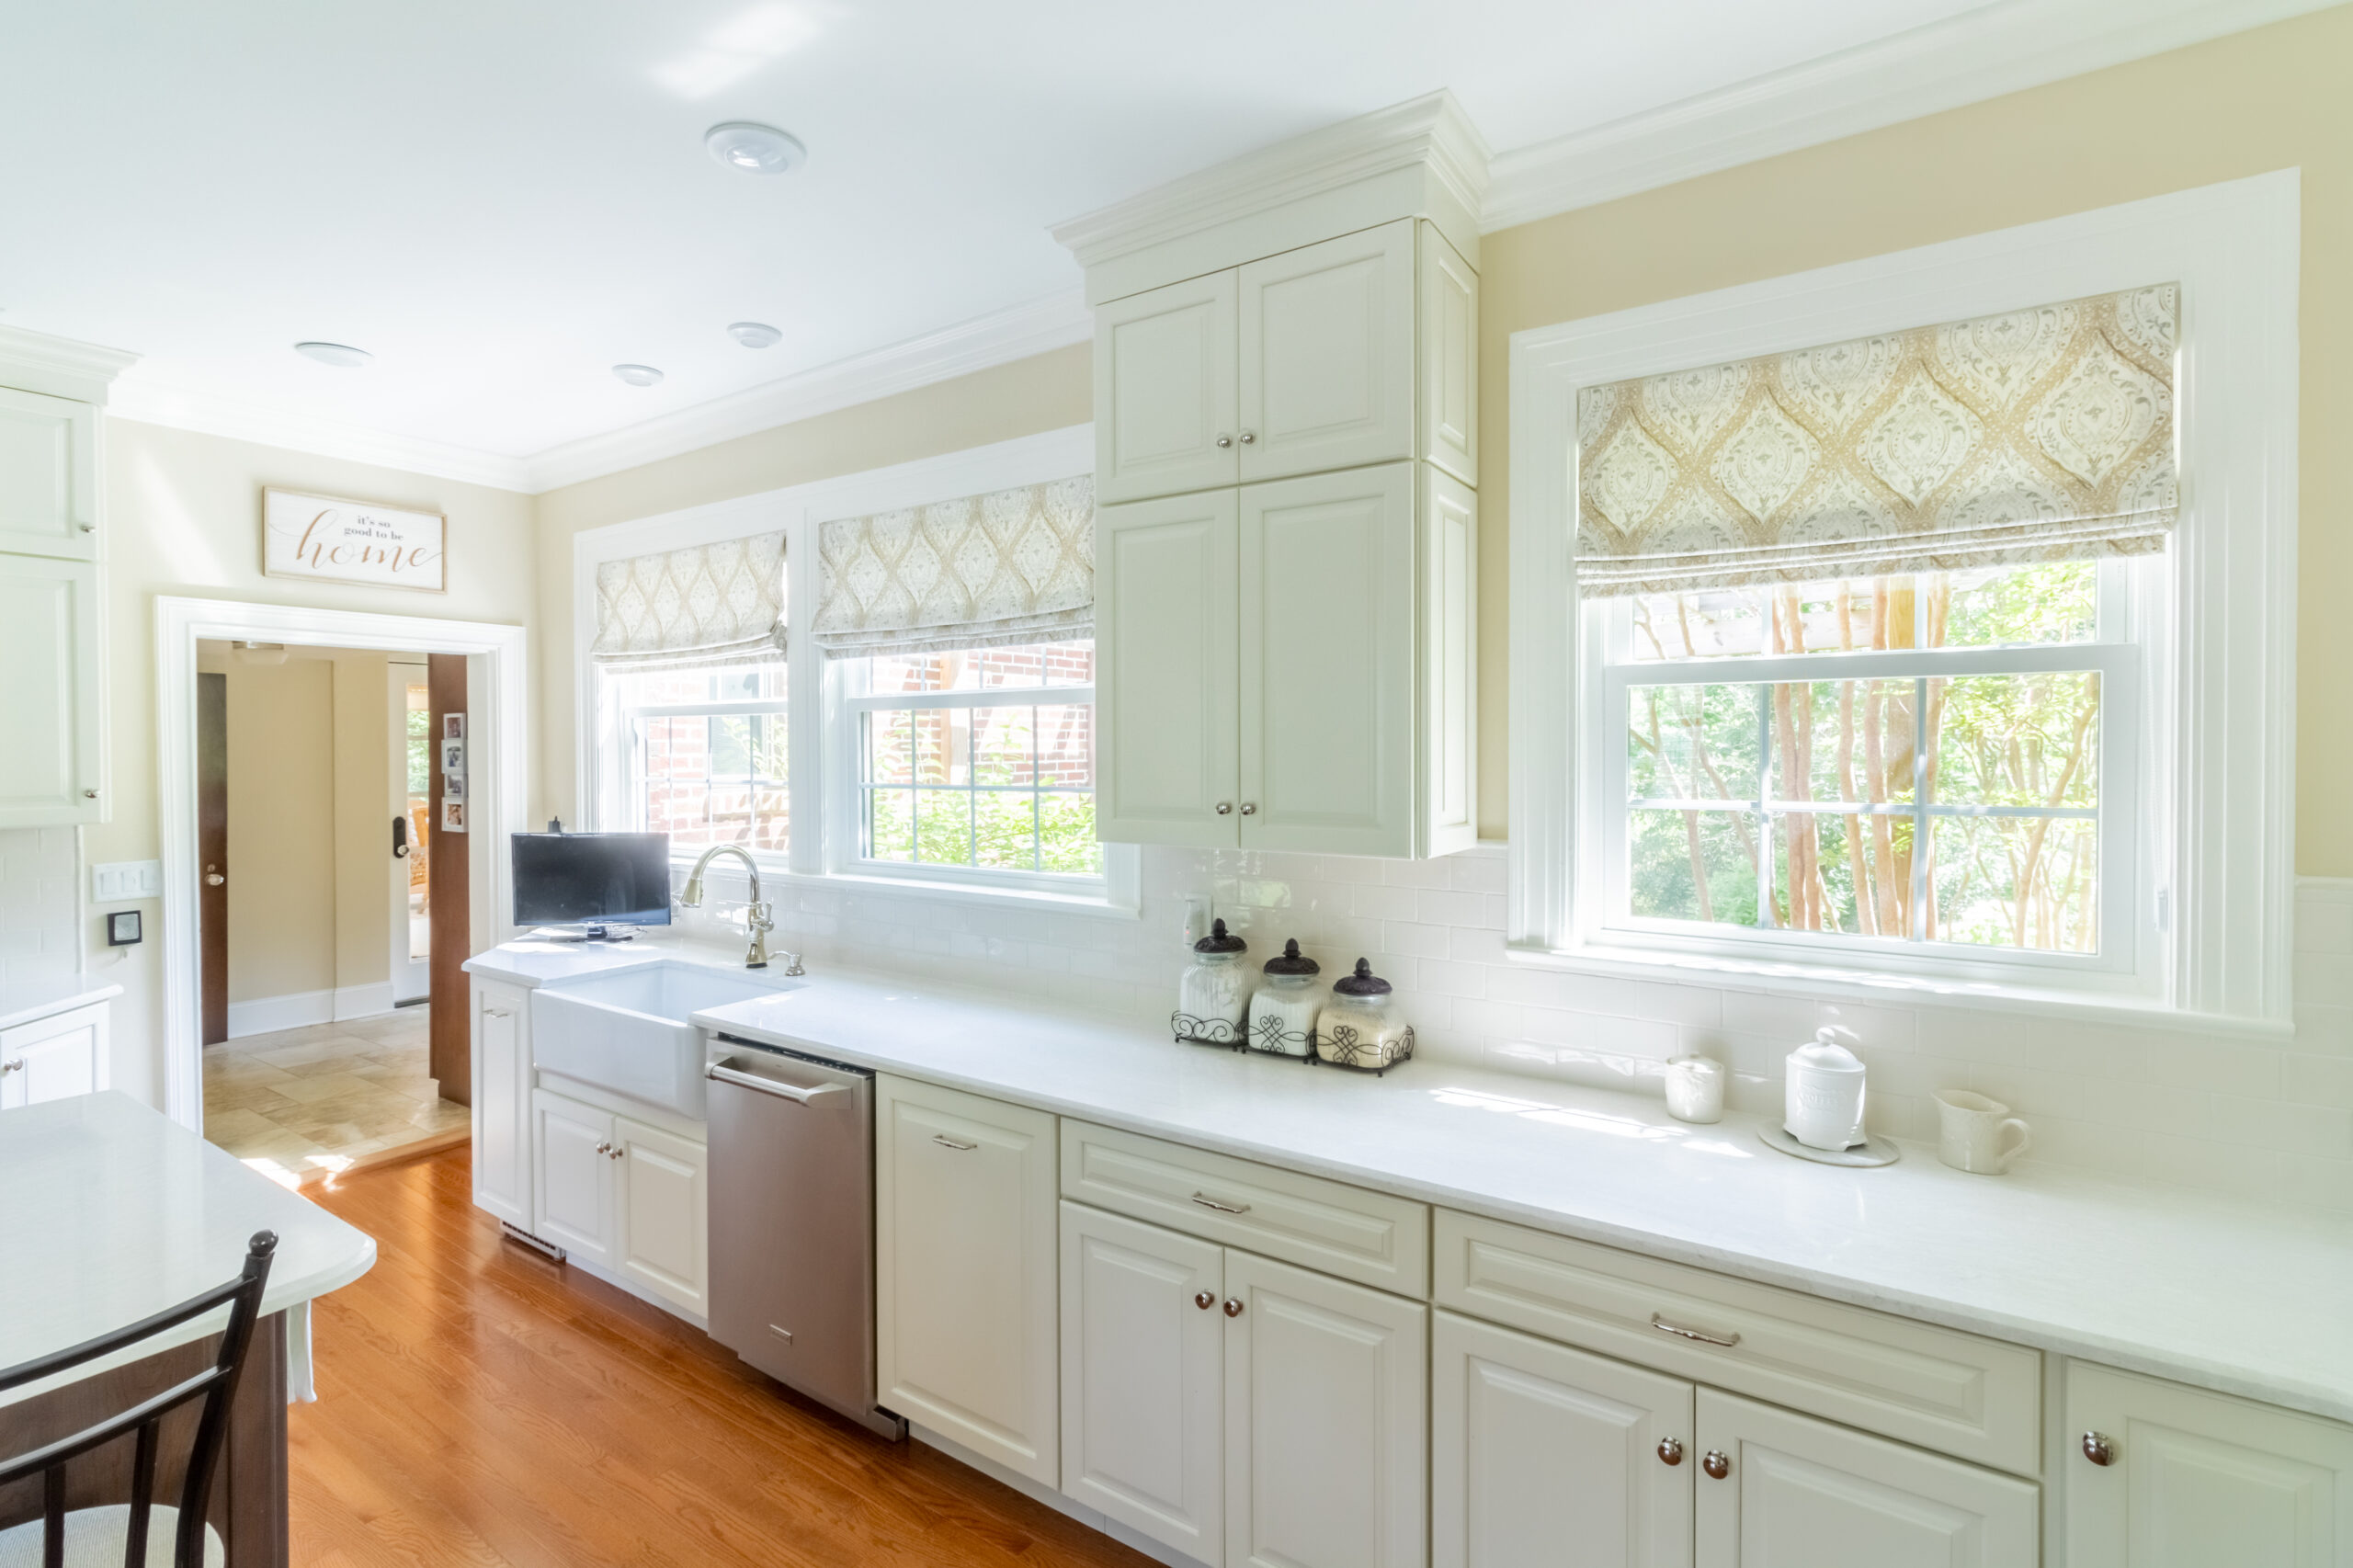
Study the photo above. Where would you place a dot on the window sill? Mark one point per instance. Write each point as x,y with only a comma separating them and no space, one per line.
1832,981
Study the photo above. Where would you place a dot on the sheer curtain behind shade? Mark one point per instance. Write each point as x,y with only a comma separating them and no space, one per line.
709,604
2037,434
1010,567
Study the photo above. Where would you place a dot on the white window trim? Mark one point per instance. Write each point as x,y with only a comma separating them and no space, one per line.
821,858
2219,784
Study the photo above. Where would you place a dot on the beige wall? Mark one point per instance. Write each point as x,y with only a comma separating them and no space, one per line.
2268,99
281,828
364,866
1047,391
184,517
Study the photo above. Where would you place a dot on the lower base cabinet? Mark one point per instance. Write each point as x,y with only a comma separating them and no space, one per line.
624,1196
54,1058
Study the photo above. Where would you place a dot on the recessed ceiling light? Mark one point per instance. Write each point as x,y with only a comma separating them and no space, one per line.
342,356
753,148
638,375
754,333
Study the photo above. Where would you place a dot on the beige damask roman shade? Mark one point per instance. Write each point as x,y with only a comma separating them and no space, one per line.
2037,434
984,572
709,604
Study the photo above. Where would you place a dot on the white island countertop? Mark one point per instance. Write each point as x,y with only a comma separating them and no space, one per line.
116,1211
2223,1294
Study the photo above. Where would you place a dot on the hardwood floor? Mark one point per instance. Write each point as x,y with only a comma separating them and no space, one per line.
481,1406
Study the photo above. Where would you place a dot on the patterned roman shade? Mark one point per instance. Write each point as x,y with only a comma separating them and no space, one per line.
987,571
710,604
2038,435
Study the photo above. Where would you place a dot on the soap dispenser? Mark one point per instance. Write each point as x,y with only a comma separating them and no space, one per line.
1823,1103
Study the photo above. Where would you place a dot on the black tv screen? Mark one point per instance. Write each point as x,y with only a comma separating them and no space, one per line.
592,879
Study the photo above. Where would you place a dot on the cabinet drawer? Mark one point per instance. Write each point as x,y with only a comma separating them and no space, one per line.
1974,1398
1366,1236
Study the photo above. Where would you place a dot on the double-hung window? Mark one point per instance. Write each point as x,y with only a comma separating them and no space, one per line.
702,756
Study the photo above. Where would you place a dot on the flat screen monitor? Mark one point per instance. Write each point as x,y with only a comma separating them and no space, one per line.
592,879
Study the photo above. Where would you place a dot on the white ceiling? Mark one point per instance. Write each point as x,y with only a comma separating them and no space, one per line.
502,200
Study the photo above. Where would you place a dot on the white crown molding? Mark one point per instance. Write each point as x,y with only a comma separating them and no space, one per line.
999,338
1980,54
62,367
1431,130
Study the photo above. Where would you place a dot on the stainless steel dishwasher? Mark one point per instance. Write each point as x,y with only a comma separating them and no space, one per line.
792,1223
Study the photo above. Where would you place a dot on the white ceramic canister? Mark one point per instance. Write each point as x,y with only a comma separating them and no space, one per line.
1213,998
1823,1096
1695,1088
1284,1008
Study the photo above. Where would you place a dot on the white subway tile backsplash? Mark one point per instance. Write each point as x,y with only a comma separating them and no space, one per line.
40,906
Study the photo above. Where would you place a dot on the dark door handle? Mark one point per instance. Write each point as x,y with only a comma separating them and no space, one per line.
400,837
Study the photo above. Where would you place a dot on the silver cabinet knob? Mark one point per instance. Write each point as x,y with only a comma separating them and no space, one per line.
2099,1449
16,1066
1205,1300
1249,437
1718,1464
1233,1306
89,794
1226,441
604,1148
88,527
614,1152
1249,808
1670,1451
1225,808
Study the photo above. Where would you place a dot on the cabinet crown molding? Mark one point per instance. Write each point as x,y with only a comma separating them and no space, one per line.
61,366
1430,133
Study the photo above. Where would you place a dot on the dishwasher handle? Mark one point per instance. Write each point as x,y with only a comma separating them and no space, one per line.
720,1073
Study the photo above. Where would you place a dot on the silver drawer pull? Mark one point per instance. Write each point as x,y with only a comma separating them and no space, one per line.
1660,1323
945,1141
1208,1202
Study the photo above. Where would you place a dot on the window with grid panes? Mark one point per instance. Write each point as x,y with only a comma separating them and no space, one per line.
978,762
705,755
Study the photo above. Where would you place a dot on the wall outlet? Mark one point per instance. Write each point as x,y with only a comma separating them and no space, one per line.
119,879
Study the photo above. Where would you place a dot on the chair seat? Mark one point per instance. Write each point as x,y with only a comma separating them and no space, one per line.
95,1539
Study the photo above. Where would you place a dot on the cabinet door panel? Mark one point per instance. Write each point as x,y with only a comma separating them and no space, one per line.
2201,1479
49,476
1143,1378
1164,390
51,702
575,1177
1327,662
1166,671
1325,1422
501,1108
54,1058
1449,726
1449,348
1803,1493
664,1213
964,1271
1545,1457
1327,355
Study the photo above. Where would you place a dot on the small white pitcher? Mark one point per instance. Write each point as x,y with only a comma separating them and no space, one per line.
1971,1131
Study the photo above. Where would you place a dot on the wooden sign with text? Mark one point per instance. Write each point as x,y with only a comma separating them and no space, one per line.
325,538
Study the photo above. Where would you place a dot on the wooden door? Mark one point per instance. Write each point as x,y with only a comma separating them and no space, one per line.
1327,355
212,851
575,1180
966,1305
1164,390
2197,1479
502,1103
52,698
1799,1492
449,1038
1545,1457
664,1213
1166,671
49,476
1326,678
1144,1369
1325,1421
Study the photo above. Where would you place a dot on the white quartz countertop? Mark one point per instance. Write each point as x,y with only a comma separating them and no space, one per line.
31,999
2224,1295
116,1211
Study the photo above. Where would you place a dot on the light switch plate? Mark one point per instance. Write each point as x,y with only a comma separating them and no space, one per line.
119,879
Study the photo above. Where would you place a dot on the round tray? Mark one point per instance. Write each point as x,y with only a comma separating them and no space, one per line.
1869,1152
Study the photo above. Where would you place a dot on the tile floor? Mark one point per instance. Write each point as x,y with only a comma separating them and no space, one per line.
310,1101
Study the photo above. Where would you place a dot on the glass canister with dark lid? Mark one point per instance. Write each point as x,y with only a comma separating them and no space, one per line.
1362,1025
1283,1009
1214,996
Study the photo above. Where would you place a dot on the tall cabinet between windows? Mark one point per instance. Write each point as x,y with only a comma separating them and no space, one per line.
1286,420
53,548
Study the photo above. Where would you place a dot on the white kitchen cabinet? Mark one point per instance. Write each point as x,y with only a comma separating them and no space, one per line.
2199,1480
52,1058
1545,1457
1167,652
502,1102
1165,370
576,1185
1327,1423
664,1209
1797,1493
1143,1335
1450,331
1327,355
53,703
49,476
965,1297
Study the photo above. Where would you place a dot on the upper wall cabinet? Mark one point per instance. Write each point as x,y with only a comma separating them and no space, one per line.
1357,350
49,476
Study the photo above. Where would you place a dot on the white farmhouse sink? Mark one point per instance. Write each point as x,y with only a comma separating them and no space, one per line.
628,1032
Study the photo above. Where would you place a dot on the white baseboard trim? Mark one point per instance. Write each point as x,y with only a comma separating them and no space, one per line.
1069,1508
363,1001
268,1014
